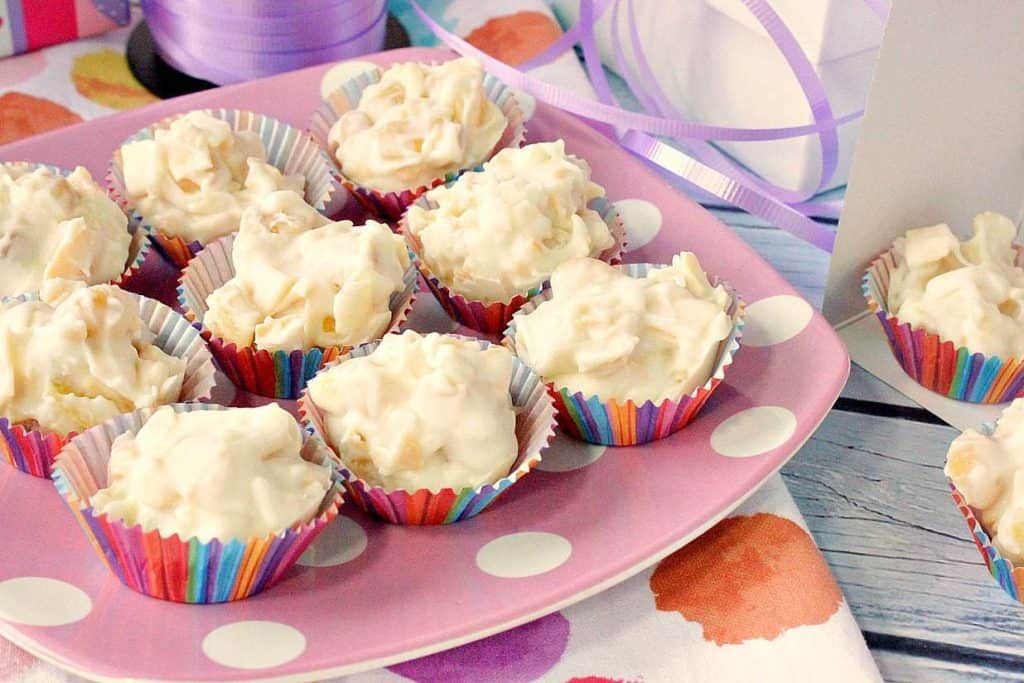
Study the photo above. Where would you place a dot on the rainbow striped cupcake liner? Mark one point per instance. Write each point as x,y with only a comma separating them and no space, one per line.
33,449
177,569
535,428
277,374
289,149
1009,577
493,318
139,247
613,423
938,365
389,206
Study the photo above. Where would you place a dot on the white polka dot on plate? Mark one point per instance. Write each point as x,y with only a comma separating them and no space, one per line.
341,72
753,431
527,103
775,319
40,601
566,455
527,553
253,644
642,220
343,541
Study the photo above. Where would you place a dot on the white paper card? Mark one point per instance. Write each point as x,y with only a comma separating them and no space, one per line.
942,140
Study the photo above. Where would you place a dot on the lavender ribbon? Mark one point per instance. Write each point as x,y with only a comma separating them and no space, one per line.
228,41
704,167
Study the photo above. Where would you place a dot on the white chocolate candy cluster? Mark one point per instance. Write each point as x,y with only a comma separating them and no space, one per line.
302,281
969,293
80,356
53,226
503,231
422,412
195,178
604,333
213,474
989,472
418,123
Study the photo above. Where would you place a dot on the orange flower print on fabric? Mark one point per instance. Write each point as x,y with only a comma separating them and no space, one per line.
104,77
748,577
24,115
515,38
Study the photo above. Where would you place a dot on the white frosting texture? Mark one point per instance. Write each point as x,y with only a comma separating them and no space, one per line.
969,292
416,124
194,178
989,472
80,356
502,231
302,281
213,474
422,412
52,226
604,333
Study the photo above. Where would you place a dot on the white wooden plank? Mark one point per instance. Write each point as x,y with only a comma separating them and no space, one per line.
901,667
874,495
864,386
804,266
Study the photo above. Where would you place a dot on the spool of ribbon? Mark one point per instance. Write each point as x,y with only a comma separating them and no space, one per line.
701,165
227,41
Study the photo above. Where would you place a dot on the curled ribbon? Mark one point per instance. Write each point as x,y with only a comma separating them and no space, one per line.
704,167
236,40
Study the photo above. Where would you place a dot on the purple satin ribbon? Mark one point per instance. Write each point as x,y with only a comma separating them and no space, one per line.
228,41
704,167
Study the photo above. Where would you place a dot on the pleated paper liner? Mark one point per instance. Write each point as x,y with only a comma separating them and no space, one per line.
288,149
389,206
616,423
137,249
277,374
938,365
494,317
176,569
33,449
535,427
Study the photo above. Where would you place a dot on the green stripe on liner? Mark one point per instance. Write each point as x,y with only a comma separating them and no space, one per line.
577,417
460,504
957,386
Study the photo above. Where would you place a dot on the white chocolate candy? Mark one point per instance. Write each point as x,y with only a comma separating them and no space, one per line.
194,178
989,472
53,226
302,281
416,124
226,474
422,412
80,356
604,333
969,293
503,231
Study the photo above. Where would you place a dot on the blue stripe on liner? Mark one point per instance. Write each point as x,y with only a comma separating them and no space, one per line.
231,557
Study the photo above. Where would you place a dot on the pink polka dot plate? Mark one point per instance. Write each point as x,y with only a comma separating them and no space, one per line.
370,594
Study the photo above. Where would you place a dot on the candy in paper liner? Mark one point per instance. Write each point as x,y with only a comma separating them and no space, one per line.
938,365
32,449
494,317
535,427
389,206
288,149
138,248
277,374
176,569
615,423
1009,577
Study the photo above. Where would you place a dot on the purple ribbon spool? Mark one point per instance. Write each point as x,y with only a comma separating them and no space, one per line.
228,41
704,167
